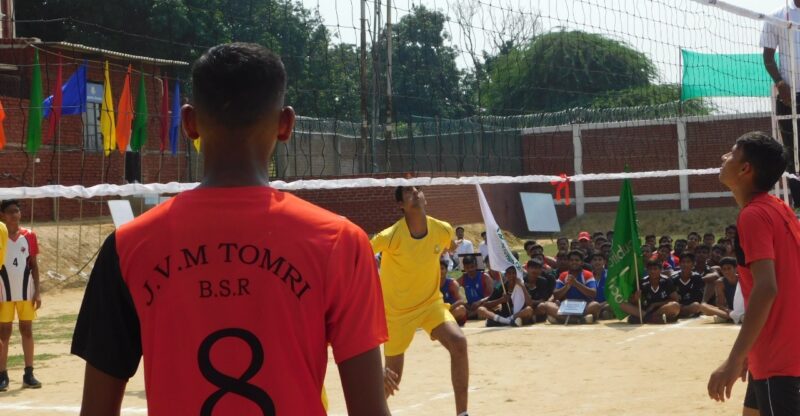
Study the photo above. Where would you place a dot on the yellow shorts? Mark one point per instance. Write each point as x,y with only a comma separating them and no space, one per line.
24,309
402,327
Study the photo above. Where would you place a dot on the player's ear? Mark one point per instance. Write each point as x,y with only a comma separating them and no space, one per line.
286,123
189,121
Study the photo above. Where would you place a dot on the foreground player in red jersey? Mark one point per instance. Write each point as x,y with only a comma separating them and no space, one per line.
233,291
768,251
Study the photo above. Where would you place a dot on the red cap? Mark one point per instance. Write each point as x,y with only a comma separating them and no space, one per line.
584,235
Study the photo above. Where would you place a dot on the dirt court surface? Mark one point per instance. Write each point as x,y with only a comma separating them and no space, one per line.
601,369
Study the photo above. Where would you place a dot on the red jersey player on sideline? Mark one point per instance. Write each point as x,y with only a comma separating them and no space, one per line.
233,291
768,251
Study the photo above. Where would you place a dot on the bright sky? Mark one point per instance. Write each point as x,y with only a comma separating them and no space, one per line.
660,28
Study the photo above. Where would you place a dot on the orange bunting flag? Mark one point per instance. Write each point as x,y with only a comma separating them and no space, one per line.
125,115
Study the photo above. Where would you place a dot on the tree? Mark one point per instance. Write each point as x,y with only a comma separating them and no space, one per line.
562,69
426,80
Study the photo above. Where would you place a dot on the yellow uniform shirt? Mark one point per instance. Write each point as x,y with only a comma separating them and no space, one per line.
410,266
3,242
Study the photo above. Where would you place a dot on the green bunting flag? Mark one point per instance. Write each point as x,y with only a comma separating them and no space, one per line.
139,134
35,115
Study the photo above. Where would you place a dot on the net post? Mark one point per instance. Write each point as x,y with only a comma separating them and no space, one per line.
580,203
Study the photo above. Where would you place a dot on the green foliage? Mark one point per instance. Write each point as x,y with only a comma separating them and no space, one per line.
564,69
652,95
425,78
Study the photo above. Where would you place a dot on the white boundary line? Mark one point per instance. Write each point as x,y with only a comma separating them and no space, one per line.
29,406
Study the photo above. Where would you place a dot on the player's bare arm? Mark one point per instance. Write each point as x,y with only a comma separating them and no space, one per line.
102,393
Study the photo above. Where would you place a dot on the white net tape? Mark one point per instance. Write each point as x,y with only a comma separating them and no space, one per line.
106,190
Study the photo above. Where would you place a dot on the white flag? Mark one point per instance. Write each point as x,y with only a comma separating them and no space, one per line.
500,257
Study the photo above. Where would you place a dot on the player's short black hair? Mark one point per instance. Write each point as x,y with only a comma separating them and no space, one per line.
688,255
719,247
681,241
537,246
598,234
693,233
709,235
766,155
527,244
235,84
647,246
470,259
666,246
562,239
597,254
459,228
731,227
665,237
649,236
9,202
578,253
653,263
730,261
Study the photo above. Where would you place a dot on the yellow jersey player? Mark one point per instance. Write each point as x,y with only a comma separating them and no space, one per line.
410,251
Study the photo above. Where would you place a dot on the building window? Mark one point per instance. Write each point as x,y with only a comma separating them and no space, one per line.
92,138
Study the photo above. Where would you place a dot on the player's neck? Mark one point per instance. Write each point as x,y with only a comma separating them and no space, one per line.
238,164
744,195
225,176
13,229
417,223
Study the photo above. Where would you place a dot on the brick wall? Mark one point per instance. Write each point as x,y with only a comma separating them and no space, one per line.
72,164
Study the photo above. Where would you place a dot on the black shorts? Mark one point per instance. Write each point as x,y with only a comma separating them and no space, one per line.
775,396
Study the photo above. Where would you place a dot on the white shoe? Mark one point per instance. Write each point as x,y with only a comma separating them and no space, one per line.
589,319
720,320
517,322
552,320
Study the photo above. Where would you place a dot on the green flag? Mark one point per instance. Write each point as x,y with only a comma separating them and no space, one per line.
139,134
724,75
624,263
34,141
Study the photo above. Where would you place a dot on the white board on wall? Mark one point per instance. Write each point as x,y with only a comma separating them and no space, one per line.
121,211
540,212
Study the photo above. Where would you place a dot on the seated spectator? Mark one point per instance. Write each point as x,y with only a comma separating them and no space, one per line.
540,288
562,262
527,245
693,241
451,294
647,253
478,286
562,244
600,273
610,236
650,240
689,285
462,246
725,292
702,253
605,250
585,242
598,234
665,239
664,255
598,243
680,247
659,298
497,278
728,244
574,284
574,245
509,304
709,239
717,253
538,250
732,233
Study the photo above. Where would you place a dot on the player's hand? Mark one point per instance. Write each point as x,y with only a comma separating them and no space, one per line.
785,93
37,301
721,381
391,382
636,296
570,280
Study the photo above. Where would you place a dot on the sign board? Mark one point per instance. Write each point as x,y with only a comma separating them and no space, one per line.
121,211
572,307
540,212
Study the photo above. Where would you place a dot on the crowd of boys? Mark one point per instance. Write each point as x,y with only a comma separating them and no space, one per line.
680,278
